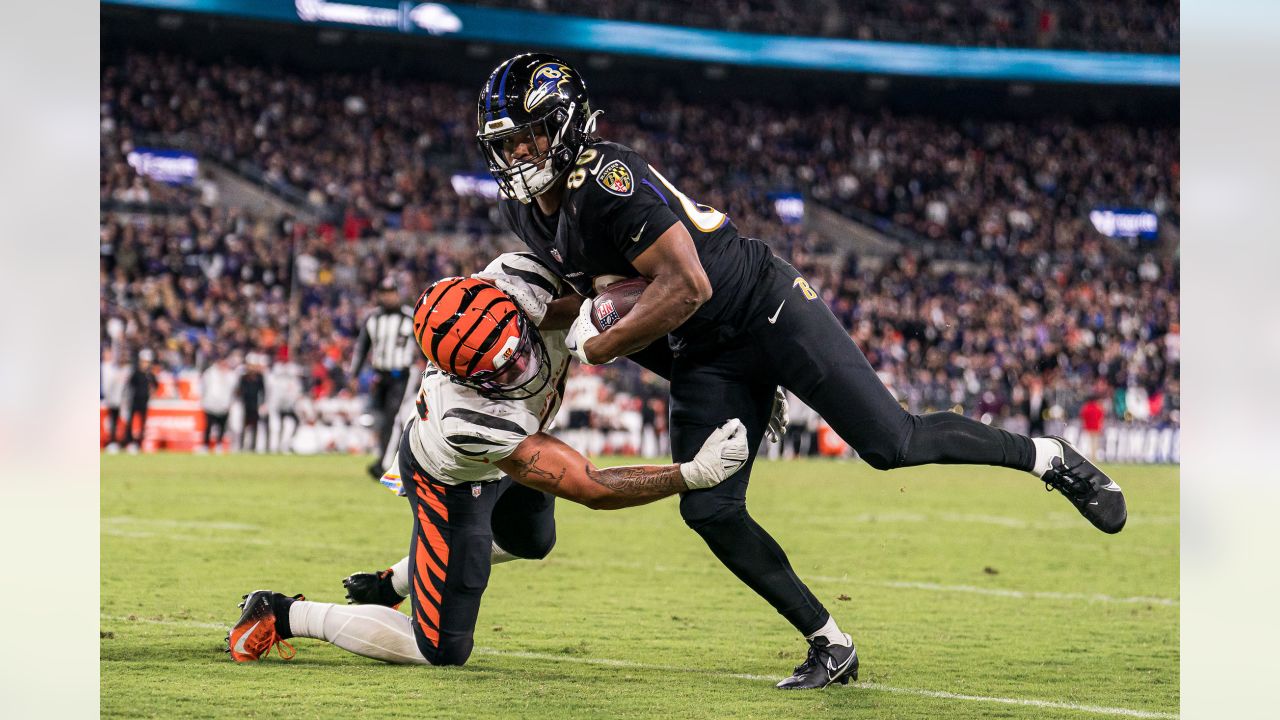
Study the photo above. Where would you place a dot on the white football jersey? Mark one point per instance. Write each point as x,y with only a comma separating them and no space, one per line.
464,432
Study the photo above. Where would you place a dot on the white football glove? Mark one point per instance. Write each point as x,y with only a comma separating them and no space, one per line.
519,291
724,452
512,273
580,332
778,417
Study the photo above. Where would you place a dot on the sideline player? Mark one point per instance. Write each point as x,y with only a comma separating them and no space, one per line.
491,389
740,321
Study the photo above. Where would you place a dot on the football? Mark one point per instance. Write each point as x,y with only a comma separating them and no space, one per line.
615,301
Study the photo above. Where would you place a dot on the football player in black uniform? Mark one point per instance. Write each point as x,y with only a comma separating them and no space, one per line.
739,322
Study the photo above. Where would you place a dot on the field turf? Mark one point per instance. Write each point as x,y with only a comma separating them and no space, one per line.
971,592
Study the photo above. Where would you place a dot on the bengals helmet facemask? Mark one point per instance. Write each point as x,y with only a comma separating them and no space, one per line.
538,99
479,337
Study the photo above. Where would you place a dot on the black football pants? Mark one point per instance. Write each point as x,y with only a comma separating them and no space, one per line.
796,342
454,528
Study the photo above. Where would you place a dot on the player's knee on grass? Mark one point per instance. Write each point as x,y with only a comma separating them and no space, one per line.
450,651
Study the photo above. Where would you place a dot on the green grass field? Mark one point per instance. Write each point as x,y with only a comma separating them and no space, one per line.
971,592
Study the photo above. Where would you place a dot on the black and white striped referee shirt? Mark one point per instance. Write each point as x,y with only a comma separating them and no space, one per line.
386,340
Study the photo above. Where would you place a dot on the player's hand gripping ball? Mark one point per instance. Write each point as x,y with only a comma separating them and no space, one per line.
616,300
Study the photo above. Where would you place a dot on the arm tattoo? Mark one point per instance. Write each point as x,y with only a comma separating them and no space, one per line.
529,469
640,481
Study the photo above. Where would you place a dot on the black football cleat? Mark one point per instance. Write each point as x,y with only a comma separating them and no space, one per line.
372,589
375,471
255,633
826,664
1095,495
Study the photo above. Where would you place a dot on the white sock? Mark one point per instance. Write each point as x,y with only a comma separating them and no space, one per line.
832,633
1046,450
500,556
400,577
373,631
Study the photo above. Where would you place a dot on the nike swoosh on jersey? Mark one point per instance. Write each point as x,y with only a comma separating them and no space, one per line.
636,237
599,162
774,318
240,643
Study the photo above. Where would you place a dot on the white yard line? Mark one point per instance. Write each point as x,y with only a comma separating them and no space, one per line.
224,539
925,586
877,687
1002,592
184,524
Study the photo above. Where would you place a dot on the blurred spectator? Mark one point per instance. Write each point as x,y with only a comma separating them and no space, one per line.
142,381
284,394
217,392
251,390
114,377
1091,422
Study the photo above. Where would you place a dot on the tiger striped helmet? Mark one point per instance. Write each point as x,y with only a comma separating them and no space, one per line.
477,335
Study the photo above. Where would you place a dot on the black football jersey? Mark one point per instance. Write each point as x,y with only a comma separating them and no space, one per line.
615,206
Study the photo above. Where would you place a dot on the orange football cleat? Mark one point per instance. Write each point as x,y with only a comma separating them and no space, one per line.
254,634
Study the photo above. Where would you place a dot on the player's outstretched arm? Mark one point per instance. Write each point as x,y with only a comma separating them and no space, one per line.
543,462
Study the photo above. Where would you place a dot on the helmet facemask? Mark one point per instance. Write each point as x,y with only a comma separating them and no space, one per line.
524,374
529,177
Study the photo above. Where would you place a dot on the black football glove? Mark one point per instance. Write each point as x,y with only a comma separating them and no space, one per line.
372,589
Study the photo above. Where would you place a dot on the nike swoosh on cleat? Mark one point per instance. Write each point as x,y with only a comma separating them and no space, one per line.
1113,487
239,648
774,317
1095,502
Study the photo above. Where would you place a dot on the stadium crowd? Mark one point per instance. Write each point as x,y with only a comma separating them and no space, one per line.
1145,26
1043,314
383,155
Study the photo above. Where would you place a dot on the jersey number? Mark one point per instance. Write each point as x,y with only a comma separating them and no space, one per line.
579,174
704,217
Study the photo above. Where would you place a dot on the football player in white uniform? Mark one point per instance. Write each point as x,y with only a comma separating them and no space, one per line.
492,387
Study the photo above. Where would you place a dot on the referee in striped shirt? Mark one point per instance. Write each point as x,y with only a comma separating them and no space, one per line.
386,341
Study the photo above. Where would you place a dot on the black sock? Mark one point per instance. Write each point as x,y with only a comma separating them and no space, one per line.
280,606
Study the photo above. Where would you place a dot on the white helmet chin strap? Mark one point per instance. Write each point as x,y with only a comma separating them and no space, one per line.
590,125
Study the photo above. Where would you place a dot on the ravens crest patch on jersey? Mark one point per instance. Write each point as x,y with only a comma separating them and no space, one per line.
616,178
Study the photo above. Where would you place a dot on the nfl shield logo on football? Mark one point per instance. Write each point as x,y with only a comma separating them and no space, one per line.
606,315
475,489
